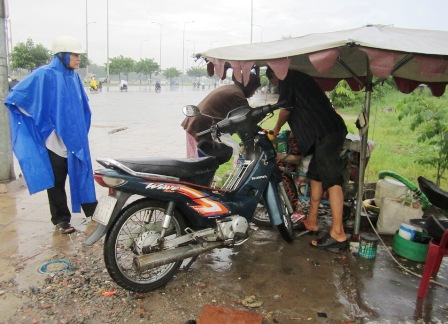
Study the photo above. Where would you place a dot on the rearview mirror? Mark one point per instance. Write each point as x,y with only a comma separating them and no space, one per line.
191,111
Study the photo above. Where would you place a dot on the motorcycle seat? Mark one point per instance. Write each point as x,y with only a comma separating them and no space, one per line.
436,196
184,168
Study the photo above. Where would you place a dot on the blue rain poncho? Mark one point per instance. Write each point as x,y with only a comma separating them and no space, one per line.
53,98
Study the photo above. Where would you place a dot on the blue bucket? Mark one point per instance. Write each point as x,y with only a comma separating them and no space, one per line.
367,246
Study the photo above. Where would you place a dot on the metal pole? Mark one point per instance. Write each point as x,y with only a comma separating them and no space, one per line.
183,47
251,18
160,48
6,156
363,158
160,44
87,43
107,63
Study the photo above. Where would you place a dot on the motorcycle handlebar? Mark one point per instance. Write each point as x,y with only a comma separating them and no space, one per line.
207,131
262,110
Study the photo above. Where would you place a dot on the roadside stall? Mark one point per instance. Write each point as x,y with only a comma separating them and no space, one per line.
412,57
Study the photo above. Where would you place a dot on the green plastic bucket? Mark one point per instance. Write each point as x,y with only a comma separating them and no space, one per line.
408,249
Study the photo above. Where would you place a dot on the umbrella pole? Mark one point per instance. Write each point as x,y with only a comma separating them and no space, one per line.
363,159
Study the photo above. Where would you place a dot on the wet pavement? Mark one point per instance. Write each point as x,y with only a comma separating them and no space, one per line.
295,282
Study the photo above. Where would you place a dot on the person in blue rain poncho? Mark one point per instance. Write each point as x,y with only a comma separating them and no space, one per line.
50,119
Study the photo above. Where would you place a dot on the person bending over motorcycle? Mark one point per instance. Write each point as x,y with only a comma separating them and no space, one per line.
217,104
321,131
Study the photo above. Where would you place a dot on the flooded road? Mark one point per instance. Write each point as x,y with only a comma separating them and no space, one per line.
289,283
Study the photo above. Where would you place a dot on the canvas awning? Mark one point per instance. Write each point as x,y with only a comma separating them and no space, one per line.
411,56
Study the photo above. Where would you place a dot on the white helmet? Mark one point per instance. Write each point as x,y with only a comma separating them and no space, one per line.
67,44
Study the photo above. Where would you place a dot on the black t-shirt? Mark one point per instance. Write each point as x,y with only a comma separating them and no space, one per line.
312,114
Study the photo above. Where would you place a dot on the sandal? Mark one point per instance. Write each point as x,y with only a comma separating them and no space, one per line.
328,243
65,228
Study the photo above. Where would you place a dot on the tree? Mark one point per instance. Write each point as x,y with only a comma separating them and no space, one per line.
197,72
342,95
147,67
29,56
172,73
120,64
84,61
430,119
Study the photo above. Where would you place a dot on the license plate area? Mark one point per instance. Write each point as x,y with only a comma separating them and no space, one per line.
104,210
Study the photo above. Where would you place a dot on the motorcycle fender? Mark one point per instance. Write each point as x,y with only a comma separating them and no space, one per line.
272,201
101,229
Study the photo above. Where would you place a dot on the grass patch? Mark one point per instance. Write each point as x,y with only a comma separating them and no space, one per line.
396,146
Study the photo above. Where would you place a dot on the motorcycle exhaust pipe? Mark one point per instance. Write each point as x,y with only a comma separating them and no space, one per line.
149,261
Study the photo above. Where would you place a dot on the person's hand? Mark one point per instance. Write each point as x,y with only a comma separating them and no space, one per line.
276,131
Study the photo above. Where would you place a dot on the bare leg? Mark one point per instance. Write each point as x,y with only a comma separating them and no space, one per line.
315,197
336,205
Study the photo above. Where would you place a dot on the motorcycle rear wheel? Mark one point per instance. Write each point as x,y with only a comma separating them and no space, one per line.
139,217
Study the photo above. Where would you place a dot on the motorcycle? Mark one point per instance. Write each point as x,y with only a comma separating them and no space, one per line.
124,87
180,216
434,226
158,87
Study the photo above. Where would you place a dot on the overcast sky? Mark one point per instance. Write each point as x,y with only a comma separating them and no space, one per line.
216,23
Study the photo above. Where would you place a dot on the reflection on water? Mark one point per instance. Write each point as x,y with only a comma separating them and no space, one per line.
220,259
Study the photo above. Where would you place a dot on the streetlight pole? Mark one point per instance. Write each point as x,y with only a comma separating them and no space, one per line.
107,63
194,48
183,47
251,18
160,44
87,44
6,156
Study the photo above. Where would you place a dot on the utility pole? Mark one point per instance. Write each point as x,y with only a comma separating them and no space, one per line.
6,156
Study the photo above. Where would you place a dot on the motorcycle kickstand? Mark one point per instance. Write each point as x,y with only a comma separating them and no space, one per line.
197,239
188,265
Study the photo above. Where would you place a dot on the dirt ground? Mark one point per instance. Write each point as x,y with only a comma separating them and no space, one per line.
285,283
265,275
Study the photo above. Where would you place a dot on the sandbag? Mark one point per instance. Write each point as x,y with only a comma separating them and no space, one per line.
393,213
389,188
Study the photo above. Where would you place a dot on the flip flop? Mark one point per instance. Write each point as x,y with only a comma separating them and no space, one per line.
328,243
65,228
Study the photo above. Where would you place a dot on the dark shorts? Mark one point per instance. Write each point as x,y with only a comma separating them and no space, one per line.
325,165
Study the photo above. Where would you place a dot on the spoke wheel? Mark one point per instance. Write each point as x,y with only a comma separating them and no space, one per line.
138,226
286,229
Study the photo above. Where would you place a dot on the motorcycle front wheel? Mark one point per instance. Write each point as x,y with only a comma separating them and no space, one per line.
285,229
261,216
138,223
